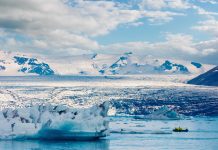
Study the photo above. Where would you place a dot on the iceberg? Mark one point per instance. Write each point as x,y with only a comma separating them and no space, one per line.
54,121
164,113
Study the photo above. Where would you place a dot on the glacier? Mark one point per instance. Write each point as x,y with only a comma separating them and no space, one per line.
131,95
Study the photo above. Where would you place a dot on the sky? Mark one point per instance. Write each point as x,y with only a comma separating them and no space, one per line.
177,29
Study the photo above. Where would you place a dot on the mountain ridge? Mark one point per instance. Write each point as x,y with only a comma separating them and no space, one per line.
96,64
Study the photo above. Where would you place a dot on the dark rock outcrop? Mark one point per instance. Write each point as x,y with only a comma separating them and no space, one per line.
209,78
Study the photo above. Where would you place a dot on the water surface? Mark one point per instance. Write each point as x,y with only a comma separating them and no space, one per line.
203,135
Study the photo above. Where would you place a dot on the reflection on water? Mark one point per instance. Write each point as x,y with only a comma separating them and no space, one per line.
54,145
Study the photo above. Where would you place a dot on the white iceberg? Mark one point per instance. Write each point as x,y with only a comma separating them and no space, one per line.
164,113
53,121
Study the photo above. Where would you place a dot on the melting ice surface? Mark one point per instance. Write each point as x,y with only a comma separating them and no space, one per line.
48,107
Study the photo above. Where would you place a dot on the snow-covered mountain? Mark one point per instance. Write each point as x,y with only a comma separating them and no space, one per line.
16,64
96,64
125,64
209,78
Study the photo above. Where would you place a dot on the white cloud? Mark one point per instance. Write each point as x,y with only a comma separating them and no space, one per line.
40,44
208,51
162,11
208,47
208,26
173,42
161,4
160,17
136,24
181,42
85,17
201,11
151,4
209,1
11,42
56,25
178,4
175,45
69,27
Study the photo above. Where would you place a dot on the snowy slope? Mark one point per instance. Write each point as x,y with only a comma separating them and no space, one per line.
16,64
96,64
124,64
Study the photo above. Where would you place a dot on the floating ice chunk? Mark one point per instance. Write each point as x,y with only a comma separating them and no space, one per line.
112,111
163,113
50,121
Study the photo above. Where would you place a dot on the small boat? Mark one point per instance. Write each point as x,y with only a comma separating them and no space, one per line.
179,129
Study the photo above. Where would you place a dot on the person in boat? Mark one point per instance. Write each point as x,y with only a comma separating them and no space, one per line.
179,129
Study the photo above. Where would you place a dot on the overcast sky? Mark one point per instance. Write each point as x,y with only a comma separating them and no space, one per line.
181,29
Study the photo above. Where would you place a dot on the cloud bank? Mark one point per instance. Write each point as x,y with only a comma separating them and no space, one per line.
70,27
